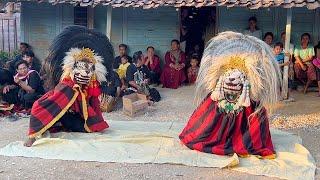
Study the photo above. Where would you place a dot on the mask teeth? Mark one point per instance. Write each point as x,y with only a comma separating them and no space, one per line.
217,94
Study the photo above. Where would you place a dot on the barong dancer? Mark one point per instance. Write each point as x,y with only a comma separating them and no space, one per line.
74,101
238,77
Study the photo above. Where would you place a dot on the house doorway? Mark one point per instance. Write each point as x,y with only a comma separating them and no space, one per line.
197,27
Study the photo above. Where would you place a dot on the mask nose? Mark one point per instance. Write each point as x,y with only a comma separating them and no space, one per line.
87,71
231,79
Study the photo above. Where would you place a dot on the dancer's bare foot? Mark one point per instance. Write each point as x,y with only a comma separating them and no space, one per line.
29,142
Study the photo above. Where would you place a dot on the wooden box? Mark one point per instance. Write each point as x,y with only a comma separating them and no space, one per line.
134,104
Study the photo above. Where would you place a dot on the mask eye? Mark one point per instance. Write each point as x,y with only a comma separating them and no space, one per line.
75,65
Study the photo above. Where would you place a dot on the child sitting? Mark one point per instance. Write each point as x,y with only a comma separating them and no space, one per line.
279,54
122,70
193,70
316,62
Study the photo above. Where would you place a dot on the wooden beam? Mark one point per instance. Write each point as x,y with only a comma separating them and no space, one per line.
90,17
286,59
109,22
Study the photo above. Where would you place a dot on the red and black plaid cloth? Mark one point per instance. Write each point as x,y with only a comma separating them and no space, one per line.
212,131
47,110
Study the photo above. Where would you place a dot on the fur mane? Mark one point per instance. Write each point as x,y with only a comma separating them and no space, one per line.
263,70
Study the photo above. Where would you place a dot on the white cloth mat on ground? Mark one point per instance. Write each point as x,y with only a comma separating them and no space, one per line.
157,142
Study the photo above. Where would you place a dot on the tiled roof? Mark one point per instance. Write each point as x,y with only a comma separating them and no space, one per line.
252,4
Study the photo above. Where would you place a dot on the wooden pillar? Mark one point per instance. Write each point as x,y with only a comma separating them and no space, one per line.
287,49
90,17
109,22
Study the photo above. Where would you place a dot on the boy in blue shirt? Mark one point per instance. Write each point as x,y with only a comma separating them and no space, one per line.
279,54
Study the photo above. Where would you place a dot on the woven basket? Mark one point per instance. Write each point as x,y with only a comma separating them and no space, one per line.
107,104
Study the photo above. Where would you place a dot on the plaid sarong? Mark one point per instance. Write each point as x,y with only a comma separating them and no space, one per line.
67,95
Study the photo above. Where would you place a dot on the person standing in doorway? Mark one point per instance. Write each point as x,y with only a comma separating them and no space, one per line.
253,29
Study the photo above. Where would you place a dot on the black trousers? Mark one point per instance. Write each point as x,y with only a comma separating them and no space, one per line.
72,122
155,77
20,97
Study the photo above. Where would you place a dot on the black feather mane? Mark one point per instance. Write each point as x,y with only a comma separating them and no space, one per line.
74,37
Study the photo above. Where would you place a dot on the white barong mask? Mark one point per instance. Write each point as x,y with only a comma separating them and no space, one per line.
232,91
83,72
83,66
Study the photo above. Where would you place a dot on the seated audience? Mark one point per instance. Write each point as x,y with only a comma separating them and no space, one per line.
122,52
173,74
193,69
6,78
195,51
303,67
22,49
27,87
138,75
138,78
34,63
122,70
112,92
316,62
268,38
152,61
283,40
279,54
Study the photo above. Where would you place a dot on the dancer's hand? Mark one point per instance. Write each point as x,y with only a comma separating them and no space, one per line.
16,80
6,89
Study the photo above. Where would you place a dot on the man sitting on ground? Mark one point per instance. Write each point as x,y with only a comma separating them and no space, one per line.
27,87
24,47
138,78
137,75
122,52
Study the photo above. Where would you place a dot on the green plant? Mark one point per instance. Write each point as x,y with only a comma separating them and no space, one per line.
6,56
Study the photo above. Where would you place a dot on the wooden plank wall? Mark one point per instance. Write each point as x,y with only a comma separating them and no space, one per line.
9,32
139,28
155,27
42,22
273,20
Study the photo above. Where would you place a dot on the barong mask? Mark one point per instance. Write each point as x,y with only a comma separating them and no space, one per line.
237,69
232,89
83,72
84,67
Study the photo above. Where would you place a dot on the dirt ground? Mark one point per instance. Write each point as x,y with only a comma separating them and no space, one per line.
301,117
